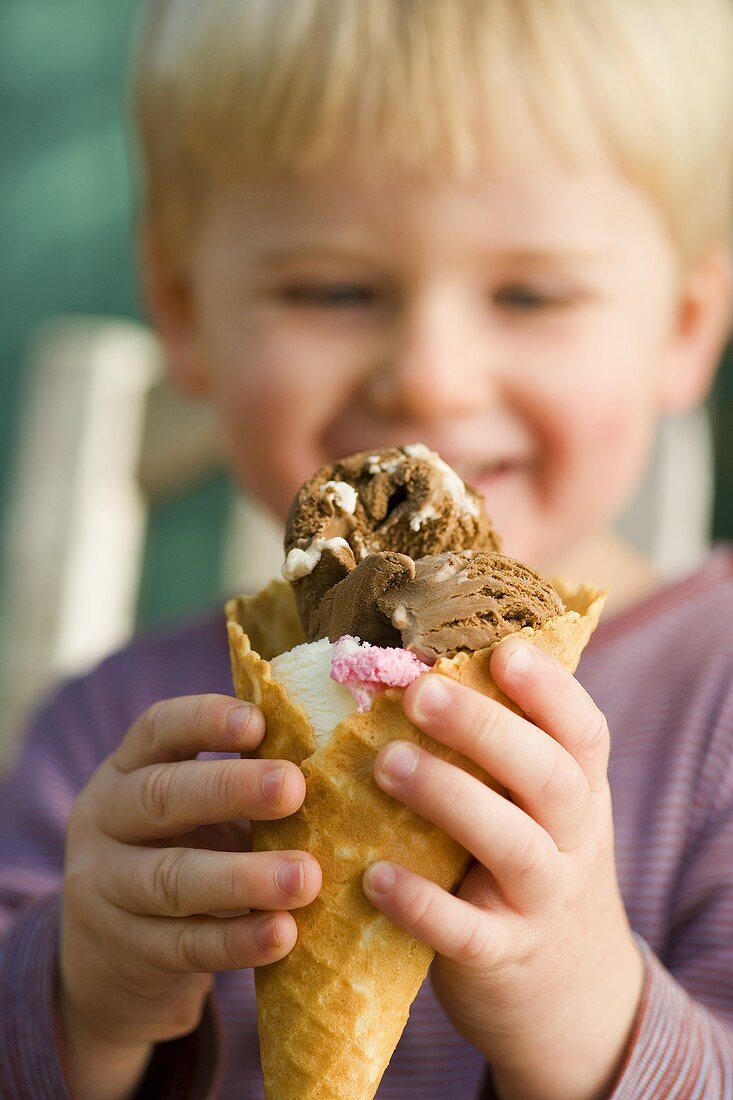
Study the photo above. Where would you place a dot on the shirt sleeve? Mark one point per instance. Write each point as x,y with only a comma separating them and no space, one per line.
681,1044
677,1049
63,746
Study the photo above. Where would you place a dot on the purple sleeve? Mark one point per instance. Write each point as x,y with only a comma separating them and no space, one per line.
681,1045
69,738
31,1058
677,1048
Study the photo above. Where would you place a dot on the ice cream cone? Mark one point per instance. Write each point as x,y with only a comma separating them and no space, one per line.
331,1012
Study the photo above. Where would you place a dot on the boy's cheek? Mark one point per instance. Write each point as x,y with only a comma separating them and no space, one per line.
602,420
279,406
271,433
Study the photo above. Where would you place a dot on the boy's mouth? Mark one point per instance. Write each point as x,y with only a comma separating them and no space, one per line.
485,475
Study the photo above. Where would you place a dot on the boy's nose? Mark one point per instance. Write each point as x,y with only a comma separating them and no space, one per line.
437,364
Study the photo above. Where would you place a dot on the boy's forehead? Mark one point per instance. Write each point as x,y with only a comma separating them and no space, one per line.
533,208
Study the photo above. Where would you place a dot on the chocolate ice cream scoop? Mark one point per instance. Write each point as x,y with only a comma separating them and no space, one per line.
467,601
437,605
404,500
356,604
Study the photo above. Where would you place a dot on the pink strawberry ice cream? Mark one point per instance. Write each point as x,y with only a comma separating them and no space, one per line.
368,669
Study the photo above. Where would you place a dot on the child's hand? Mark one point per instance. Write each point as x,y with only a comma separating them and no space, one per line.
536,965
159,875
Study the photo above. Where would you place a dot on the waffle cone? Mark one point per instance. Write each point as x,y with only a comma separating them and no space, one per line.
331,1012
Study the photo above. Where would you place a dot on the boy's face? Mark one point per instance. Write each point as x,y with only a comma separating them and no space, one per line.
527,326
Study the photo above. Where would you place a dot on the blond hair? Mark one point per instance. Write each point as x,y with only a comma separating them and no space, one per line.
225,87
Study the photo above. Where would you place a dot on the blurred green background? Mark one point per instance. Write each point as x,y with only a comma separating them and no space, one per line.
66,225
66,217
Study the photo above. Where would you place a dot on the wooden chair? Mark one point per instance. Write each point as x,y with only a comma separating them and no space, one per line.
103,437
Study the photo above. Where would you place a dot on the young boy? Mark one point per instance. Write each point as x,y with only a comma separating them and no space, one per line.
499,228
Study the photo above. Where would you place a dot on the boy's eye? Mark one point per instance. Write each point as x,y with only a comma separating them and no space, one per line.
328,295
527,298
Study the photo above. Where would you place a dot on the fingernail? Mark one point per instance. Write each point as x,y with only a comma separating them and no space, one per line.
290,878
399,761
432,696
380,877
267,933
273,784
518,659
239,720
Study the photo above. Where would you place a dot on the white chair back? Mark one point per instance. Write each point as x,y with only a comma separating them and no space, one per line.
102,437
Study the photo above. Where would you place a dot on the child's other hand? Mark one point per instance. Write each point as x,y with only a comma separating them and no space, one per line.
536,964
159,880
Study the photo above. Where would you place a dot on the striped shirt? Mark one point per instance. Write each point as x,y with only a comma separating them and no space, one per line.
663,675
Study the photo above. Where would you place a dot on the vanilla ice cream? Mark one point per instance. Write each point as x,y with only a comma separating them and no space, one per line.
305,672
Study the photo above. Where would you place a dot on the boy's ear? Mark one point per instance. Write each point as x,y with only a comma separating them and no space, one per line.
168,297
702,324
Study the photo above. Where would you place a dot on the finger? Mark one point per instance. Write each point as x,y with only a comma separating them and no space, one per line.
208,944
168,800
178,729
181,882
555,701
542,776
521,856
449,925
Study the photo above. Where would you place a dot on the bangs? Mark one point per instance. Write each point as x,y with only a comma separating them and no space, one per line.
444,86
296,84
